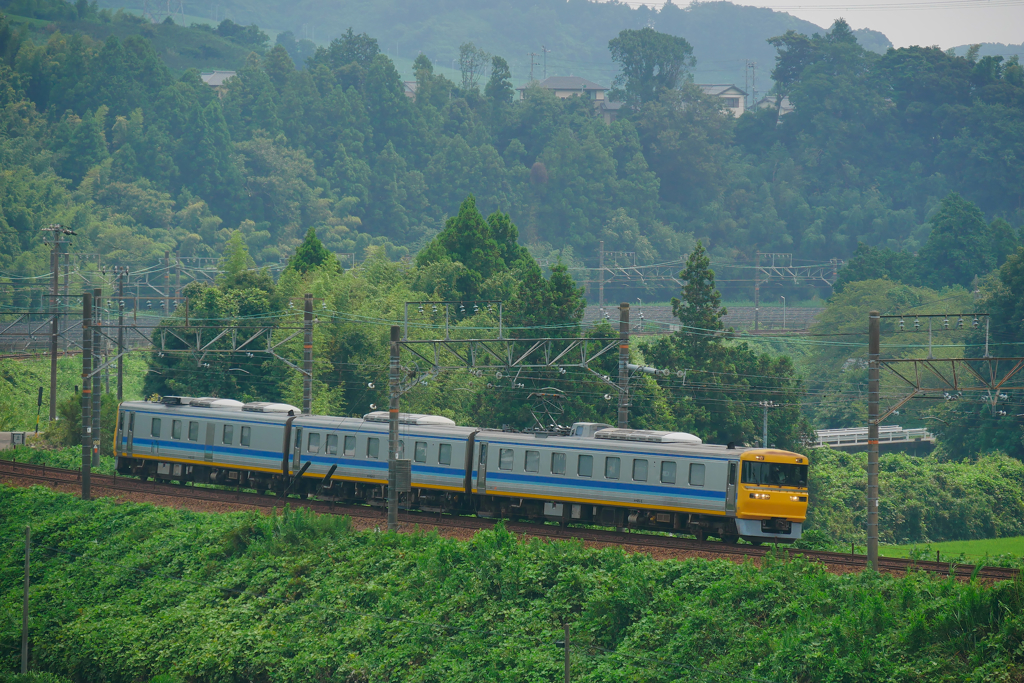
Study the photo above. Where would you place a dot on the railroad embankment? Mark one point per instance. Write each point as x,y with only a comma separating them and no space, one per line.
129,591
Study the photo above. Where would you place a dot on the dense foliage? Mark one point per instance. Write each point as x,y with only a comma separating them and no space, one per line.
102,137
293,597
921,499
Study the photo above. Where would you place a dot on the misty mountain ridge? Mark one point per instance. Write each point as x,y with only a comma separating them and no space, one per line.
566,37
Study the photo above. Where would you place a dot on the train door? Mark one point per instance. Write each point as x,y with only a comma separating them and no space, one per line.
297,448
131,432
208,451
730,487
119,438
481,469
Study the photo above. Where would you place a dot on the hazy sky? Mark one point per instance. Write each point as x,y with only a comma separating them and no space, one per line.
917,22
945,23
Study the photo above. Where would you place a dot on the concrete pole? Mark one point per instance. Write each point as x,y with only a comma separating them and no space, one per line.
567,658
120,332
54,323
307,356
67,258
167,283
600,276
97,389
86,394
873,390
764,438
393,391
623,421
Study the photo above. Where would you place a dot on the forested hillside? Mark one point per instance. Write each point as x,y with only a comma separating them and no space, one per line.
576,33
104,138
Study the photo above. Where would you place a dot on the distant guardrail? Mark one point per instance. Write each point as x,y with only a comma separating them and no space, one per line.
858,436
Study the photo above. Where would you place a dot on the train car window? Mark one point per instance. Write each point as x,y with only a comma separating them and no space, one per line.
331,447
611,468
313,443
639,470
696,474
558,463
419,453
585,466
505,458
176,429
372,448
350,445
193,431
155,429
668,472
401,449
444,454
246,437
229,434
774,474
533,461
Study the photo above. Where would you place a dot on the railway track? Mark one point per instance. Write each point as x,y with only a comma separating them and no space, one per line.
50,476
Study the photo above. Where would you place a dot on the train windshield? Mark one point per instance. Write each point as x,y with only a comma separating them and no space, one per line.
775,474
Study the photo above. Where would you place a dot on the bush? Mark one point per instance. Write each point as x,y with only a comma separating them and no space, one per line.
129,592
920,499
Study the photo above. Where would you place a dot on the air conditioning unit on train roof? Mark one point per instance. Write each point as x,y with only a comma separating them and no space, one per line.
410,419
176,400
211,402
648,436
264,407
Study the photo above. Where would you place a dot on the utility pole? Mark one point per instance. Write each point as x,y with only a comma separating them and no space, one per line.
24,603
532,55
66,301
97,390
757,292
393,392
167,283
566,627
177,277
623,421
122,273
874,346
747,80
545,51
86,394
764,436
55,322
753,81
600,276
307,356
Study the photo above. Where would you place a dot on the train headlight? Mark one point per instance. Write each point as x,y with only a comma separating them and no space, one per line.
759,496
798,499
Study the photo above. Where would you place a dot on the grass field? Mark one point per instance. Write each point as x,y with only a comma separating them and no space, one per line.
969,549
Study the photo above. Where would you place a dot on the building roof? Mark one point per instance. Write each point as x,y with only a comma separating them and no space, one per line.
719,88
215,79
410,86
610,106
568,83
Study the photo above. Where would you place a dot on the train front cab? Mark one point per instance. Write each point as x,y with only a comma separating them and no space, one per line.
771,499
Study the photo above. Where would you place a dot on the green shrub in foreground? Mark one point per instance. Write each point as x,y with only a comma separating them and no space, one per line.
127,592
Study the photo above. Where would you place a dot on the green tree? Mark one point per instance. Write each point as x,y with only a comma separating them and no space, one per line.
310,254
959,248
700,309
499,87
651,63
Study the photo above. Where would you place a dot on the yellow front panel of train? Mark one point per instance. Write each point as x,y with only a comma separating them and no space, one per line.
773,483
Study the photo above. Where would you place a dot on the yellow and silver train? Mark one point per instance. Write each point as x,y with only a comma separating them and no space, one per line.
596,474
